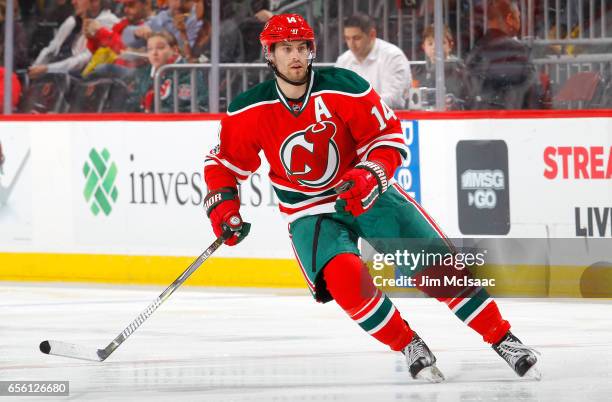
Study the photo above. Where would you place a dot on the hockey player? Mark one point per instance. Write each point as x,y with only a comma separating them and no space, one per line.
323,131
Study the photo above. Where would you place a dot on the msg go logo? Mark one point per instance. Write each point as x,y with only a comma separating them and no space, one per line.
100,190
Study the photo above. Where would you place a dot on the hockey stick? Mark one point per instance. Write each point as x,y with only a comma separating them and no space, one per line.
78,352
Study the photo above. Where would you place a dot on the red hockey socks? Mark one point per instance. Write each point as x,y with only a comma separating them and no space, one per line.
489,323
350,284
472,305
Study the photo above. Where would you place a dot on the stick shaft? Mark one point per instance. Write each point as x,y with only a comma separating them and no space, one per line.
133,326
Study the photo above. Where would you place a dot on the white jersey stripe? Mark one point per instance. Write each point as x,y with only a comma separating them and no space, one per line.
328,208
305,202
392,144
399,136
243,173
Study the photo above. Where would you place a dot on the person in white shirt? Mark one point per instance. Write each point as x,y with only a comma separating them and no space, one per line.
68,51
382,64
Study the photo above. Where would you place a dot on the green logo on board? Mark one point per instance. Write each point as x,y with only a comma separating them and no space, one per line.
100,189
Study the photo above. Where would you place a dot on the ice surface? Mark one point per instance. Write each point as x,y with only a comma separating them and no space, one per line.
268,345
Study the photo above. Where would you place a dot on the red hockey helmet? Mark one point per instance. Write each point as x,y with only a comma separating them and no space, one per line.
286,28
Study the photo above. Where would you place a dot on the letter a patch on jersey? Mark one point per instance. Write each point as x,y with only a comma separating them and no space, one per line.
320,109
311,157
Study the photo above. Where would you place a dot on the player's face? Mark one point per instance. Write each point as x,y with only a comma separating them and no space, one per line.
291,59
159,51
429,47
359,42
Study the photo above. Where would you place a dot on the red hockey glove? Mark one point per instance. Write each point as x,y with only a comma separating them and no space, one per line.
222,207
360,188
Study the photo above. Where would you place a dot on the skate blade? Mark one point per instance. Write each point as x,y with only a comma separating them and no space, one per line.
533,373
431,374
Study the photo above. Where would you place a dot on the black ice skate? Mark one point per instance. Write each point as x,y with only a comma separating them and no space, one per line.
421,362
520,357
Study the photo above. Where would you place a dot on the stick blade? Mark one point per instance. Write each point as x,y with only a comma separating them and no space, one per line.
70,350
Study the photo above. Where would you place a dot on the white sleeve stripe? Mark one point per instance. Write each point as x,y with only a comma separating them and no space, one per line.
230,166
319,209
383,137
306,202
379,144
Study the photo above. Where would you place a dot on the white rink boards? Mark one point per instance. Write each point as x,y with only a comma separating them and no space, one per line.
260,345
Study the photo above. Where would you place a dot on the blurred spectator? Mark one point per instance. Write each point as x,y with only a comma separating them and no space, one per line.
258,12
20,45
200,51
230,38
16,89
251,26
162,49
500,72
454,70
46,25
381,63
180,19
261,10
68,52
112,47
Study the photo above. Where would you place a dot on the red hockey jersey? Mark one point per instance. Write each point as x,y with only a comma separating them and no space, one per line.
340,121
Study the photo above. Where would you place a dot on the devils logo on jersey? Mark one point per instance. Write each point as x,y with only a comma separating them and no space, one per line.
311,156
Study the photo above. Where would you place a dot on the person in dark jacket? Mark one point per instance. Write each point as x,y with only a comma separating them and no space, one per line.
500,71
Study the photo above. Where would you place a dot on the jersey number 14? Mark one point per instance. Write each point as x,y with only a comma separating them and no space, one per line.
387,112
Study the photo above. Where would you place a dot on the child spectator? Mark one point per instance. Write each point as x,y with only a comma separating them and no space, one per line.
454,70
162,49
